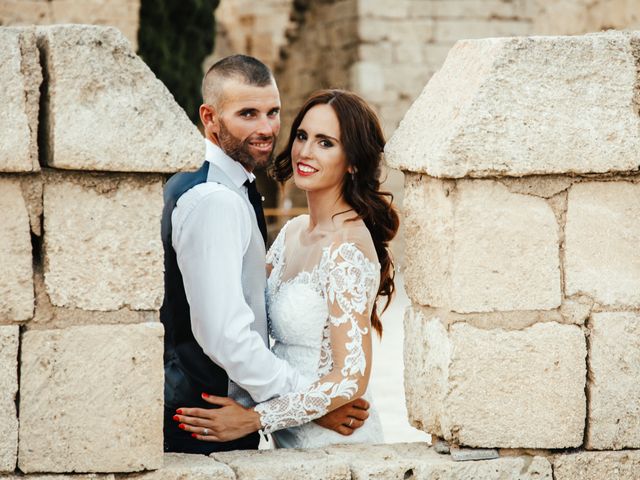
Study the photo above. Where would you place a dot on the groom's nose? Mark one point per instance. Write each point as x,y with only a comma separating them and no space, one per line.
268,127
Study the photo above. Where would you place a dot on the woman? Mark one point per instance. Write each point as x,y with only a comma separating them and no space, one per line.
326,272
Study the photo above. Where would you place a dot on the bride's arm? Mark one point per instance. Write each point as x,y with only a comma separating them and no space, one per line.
351,282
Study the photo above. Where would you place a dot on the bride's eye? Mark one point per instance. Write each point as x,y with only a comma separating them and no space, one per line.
301,135
326,143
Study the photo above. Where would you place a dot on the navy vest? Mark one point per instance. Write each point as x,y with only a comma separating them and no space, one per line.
188,370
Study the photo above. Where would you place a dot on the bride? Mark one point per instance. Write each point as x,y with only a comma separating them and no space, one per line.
327,271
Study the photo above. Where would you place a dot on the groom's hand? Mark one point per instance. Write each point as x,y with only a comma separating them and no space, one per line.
347,418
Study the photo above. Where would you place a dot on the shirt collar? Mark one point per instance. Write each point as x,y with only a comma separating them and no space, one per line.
234,170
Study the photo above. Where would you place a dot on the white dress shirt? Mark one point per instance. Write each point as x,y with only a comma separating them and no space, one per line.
212,228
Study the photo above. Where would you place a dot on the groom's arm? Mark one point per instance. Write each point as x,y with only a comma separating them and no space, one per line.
210,241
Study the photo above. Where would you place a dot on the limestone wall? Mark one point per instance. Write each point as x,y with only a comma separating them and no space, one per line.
521,198
84,147
122,14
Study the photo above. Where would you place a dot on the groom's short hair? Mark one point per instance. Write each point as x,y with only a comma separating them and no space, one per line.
244,68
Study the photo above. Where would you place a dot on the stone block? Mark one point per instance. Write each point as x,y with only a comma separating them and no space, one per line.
602,236
477,247
106,109
102,241
614,392
418,461
181,466
20,77
284,464
465,9
9,340
623,465
91,397
496,388
525,106
16,271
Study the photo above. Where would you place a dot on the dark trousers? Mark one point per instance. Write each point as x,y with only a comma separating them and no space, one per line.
177,440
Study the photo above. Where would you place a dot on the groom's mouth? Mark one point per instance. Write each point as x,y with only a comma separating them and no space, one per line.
262,146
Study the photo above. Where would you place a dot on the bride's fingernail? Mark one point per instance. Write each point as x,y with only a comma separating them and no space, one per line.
179,411
194,435
176,418
182,426
205,395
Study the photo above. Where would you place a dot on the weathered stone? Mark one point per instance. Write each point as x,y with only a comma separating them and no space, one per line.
102,241
623,465
602,237
614,391
16,273
180,466
47,316
518,106
86,476
418,461
476,247
106,109
31,186
91,397
20,77
461,454
284,464
496,388
9,340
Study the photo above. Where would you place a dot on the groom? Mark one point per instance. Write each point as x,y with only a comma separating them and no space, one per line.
214,233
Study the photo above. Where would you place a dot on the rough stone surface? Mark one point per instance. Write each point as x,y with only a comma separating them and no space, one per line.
47,316
91,397
31,186
284,464
102,241
106,109
496,388
16,272
180,466
9,340
602,237
623,465
614,392
418,461
523,106
20,77
476,247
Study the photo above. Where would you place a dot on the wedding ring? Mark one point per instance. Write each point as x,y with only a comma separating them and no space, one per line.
350,422
205,431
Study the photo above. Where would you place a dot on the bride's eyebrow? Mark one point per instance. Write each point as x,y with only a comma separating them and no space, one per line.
327,137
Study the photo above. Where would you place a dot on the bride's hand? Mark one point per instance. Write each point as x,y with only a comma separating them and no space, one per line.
229,422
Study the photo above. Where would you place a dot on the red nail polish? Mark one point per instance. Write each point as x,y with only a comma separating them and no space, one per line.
182,426
194,435
176,418
179,411
205,395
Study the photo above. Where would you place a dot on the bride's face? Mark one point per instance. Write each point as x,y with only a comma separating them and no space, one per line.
318,158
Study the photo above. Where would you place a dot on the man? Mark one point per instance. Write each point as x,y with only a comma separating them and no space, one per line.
214,232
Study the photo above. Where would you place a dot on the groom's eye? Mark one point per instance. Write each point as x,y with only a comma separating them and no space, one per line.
247,113
274,113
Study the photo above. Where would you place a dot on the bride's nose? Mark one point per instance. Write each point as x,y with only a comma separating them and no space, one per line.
305,150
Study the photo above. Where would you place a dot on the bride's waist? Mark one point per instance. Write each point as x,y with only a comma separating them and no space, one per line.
302,357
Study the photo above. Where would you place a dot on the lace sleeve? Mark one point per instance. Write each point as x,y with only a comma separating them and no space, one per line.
350,282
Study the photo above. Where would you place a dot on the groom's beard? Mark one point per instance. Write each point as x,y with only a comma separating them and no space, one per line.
240,150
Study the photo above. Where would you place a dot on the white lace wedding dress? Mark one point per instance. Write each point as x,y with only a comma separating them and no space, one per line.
319,301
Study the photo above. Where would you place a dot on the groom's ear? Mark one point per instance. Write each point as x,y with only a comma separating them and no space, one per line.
210,119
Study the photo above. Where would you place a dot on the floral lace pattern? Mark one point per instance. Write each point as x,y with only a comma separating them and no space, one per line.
348,282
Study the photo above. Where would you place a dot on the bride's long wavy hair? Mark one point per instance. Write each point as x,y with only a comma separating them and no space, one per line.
363,142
